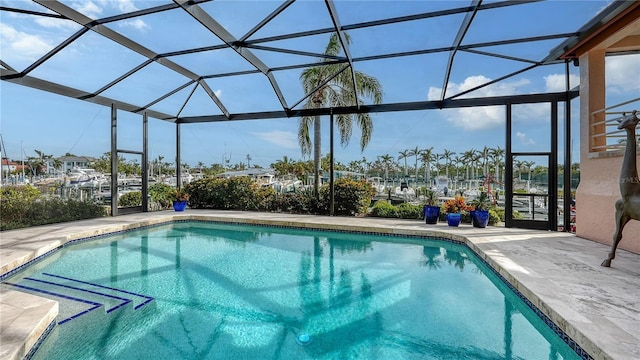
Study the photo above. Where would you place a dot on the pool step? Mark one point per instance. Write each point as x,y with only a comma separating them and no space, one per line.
78,297
139,300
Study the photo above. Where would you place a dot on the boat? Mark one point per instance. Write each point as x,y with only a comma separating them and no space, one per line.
377,184
84,177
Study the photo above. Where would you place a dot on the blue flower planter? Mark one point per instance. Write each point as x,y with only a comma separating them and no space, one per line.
454,219
179,205
431,214
480,218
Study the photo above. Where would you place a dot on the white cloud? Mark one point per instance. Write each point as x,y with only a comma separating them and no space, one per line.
137,24
623,73
285,139
557,82
88,8
478,117
524,139
54,23
218,93
502,88
92,9
17,45
123,6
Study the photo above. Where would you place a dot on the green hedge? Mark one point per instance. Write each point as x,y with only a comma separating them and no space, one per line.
162,194
410,211
382,208
130,199
237,193
351,197
24,206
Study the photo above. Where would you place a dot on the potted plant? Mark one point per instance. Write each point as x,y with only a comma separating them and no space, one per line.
180,200
480,214
431,209
454,208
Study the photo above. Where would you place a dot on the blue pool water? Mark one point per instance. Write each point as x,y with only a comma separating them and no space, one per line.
223,291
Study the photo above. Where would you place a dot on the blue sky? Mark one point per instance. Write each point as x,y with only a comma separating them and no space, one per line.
32,119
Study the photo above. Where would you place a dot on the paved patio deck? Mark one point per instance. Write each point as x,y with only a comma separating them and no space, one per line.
597,307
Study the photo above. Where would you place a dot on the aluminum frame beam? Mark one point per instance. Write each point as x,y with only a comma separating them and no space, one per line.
218,30
266,20
390,107
67,91
462,31
333,13
87,22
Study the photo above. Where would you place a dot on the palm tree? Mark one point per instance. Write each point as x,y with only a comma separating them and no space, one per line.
437,158
519,165
330,85
415,152
404,154
426,156
57,165
467,161
528,165
354,166
386,161
484,155
283,166
457,161
475,157
447,159
364,165
497,154
159,162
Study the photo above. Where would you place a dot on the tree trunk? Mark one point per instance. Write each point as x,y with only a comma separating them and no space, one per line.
316,156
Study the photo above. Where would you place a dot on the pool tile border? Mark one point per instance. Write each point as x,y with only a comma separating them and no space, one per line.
19,268
583,354
40,340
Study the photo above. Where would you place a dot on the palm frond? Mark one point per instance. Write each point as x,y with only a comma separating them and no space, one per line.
304,138
345,129
366,128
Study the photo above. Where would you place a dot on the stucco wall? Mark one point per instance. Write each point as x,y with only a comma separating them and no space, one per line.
595,203
599,187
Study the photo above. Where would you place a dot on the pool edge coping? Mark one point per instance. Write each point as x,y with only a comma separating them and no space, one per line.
585,345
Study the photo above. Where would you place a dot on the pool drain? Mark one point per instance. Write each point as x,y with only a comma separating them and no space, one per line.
303,339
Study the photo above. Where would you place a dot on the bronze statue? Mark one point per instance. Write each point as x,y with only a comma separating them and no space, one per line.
628,207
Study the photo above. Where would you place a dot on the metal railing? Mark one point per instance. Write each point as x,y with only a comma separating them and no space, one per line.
605,136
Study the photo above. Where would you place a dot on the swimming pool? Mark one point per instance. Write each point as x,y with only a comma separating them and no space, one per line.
222,291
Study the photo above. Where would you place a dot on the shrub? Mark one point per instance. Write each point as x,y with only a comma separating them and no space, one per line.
204,193
237,193
404,211
162,194
23,206
264,199
300,202
494,218
351,197
15,202
384,209
500,212
130,199
410,211
241,193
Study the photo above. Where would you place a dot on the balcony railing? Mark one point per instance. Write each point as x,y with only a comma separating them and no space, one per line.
605,136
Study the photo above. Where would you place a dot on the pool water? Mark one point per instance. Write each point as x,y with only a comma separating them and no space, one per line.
223,291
